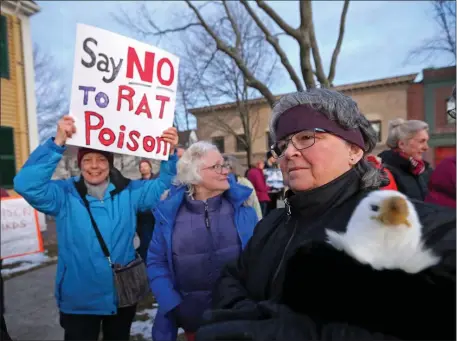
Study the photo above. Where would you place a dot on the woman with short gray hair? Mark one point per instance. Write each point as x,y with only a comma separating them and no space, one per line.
275,292
202,224
408,141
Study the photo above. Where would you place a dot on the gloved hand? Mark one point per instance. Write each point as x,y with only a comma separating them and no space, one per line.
345,332
277,323
186,317
244,310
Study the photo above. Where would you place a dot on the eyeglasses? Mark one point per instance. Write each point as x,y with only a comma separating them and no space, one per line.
218,167
301,140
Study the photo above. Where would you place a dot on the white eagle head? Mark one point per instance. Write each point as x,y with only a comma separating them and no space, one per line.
390,208
385,232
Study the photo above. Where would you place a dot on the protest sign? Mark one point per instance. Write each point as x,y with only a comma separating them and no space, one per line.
20,234
123,94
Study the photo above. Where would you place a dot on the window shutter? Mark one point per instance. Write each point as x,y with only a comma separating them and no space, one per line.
7,157
4,58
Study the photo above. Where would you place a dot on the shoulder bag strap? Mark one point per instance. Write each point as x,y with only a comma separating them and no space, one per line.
97,232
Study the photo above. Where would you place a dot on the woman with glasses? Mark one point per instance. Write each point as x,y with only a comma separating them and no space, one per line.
290,284
201,225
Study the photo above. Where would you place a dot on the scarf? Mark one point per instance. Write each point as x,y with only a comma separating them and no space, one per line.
417,167
97,191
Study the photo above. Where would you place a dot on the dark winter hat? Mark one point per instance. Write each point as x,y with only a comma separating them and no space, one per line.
303,117
83,151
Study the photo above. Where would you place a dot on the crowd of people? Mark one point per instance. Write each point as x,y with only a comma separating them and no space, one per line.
223,260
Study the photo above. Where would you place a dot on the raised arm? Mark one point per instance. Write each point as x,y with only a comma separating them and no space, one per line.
151,190
33,182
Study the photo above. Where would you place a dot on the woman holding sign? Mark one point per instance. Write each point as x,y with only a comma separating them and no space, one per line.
99,277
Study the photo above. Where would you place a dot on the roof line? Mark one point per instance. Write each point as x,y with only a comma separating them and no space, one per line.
409,78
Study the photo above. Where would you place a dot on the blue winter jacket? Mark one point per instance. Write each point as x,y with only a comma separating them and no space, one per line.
160,263
84,280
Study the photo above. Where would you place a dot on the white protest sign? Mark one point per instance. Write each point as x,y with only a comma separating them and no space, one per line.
20,234
123,94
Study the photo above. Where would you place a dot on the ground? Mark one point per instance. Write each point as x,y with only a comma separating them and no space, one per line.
30,307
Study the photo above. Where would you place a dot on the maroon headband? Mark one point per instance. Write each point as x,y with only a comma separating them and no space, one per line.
304,117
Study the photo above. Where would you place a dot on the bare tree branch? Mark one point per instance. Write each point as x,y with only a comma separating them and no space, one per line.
336,51
252,81
277,19
50,92
275,43
216,77
443,43
308,28
234,26
219,20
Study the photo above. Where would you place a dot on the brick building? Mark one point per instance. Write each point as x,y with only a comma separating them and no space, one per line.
427,101
380,100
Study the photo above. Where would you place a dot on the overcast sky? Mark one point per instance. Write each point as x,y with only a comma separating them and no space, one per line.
378,35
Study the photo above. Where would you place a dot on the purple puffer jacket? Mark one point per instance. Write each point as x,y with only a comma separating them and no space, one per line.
204,240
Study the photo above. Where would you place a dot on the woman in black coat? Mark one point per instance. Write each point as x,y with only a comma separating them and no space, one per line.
3,330
290,284
408,141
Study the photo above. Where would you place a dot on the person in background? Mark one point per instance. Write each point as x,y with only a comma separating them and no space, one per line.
145,168
274,181
256,177
442,184
408,141
3,330
389,180
234,168
85,290
202,224
145,220
180,149
266,294
3,193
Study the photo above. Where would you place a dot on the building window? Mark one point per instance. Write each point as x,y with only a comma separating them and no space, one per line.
219,143
240,144
7,158
4,60
376,125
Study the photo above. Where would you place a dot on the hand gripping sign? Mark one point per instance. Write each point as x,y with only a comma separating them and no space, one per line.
20,234
123,94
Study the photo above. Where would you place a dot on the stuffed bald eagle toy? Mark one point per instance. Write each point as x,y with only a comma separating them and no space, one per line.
376,275
385,232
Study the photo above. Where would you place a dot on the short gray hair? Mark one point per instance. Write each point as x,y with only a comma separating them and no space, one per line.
403,130
342,109
188,167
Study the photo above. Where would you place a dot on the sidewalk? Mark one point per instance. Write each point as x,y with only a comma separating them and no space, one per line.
31,311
